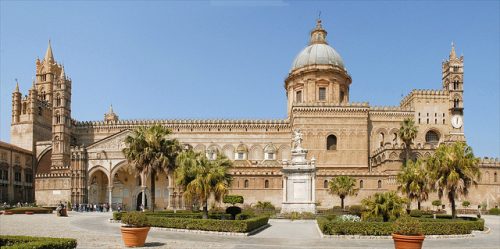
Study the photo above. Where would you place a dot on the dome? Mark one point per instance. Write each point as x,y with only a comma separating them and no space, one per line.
318,54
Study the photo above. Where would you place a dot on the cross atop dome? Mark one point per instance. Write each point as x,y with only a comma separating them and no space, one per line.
318,34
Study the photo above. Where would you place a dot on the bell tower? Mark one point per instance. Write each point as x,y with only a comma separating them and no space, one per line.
61,122
453,75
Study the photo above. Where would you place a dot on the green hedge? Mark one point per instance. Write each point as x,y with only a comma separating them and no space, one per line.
238,226
429,226
36,210
494,211
27,242
184,214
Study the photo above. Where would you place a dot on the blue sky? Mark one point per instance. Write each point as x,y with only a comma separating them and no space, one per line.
223,59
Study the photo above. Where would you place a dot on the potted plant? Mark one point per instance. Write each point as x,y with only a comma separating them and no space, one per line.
134,229
407,233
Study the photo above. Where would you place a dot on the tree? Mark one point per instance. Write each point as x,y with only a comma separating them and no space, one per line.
149,151
201,177
453,169
386,205
342,186
413,182
408,132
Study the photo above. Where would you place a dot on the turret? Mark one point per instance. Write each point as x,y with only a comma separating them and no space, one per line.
16,104
453,75
61,123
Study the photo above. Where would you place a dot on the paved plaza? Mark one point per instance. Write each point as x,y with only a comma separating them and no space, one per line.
93,230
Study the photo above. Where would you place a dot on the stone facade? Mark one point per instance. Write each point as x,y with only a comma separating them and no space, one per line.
16,174
82,162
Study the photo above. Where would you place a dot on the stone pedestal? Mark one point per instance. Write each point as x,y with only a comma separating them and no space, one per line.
299,180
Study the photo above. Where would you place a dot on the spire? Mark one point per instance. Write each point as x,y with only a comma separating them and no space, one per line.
48,54
318,34
17,87
110,109
63,74
111,115
453,55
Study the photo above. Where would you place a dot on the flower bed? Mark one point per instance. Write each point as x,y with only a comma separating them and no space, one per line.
178,214
35,210
236,226
21,242
441,226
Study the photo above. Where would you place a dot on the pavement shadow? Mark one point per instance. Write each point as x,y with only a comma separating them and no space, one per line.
153,244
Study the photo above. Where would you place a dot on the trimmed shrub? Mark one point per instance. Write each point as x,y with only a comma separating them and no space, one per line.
416,213
233,211
356,210
494,211
117,215
429,226
25,242
437,203
233,199
465,204
238,226
135,219
407,225
35,210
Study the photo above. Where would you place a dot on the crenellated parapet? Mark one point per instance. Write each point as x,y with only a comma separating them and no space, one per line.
487,162
423,93
53,175
186,123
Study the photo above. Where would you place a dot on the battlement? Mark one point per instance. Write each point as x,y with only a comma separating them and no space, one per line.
427,93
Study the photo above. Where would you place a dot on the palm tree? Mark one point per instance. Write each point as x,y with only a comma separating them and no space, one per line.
453,169
408,132
202,177
342,186
388,205
413,182
149,151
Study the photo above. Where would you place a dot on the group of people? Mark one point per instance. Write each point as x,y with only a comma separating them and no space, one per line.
92,207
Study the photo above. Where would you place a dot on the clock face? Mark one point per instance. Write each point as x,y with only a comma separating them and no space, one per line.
456,121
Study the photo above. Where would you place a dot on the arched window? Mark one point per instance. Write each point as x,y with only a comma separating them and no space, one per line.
331,142
25,106
381,139
495,178
379,184
431,137
361,184
456,103
341,96
58,100
245,184
266,184
58,118
325,184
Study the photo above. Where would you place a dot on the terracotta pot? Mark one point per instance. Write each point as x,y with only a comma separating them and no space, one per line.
8,213
28,213
134,236
408,241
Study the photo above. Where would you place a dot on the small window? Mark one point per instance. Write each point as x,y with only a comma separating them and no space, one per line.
444,122
270,156
322,93
361,184
431,137
427,121
341,96
298,96
379,184
495,179
325,184
241,156
419,120
246,184
331,142
266,184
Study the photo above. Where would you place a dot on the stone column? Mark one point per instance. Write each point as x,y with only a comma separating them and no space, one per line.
284,189
110,197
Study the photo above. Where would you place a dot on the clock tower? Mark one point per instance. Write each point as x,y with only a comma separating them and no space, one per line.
453,72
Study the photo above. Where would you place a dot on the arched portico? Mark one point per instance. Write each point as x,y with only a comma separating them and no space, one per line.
98,185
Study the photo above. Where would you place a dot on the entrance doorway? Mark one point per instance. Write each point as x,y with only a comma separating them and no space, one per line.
139,201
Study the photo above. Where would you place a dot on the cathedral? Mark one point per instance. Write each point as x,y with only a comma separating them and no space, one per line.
82,161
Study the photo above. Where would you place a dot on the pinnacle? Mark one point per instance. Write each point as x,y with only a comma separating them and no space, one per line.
48,53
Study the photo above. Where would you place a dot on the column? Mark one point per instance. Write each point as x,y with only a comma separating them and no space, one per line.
110,198
313,179
284,189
